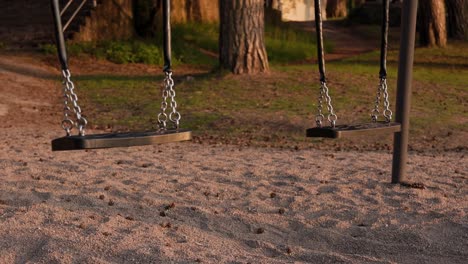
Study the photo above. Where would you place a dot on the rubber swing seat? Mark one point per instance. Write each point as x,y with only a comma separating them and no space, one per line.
116,140
343,131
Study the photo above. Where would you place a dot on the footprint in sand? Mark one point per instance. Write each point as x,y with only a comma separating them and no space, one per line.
3,110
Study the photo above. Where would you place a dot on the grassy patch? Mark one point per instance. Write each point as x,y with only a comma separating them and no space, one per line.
286,44
439,87
277,108
137,51
197,44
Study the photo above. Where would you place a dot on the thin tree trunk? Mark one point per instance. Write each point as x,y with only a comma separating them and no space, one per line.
358,2
145,13
432,23
355,3
457,18
241,39
337,8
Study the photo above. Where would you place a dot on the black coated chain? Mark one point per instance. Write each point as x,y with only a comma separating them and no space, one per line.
324,96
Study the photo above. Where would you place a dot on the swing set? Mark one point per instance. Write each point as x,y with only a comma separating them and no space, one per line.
338,131
169,119
168,123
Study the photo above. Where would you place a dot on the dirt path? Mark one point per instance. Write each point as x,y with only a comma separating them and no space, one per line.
347,41
28,96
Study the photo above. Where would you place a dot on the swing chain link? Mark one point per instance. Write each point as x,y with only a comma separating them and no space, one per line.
382,90
387,112
324,95
67,123
71,97
168,91
162,116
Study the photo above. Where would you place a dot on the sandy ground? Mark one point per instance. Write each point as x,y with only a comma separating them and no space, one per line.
190,203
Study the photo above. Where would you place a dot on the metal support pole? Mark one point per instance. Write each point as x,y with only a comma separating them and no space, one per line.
405,77
60,39
78,9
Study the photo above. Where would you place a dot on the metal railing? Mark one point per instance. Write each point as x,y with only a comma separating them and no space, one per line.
75,12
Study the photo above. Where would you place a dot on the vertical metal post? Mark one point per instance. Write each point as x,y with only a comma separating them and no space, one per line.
405,77
167,34
60,39
70,20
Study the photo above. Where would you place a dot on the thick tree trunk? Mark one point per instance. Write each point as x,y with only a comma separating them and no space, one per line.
241,39
432,23
457,19
337,8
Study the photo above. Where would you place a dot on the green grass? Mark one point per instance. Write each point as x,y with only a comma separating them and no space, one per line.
439,88
276,108
286,44
136,51
197,44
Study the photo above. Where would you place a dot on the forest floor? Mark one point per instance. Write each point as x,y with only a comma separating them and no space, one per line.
248,196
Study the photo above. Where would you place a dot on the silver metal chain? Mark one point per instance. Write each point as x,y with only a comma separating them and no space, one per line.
324,96
382,90
71,97
168,92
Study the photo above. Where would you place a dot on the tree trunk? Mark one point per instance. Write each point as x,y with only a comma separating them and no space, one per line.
241,39
355,3
145,14
432,24
457,19
358,2
337,8
272,12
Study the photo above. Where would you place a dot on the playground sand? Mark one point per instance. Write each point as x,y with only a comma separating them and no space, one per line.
189,203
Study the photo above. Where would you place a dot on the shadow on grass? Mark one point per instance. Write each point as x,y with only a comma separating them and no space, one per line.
433,65
44,74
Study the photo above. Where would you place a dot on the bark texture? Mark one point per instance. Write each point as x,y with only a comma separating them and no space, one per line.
111,20
358,2
457,19
241,39
337,8
195,10
148,13
145,14
432,23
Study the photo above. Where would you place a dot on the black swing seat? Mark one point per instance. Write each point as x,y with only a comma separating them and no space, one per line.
354,130
115,140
